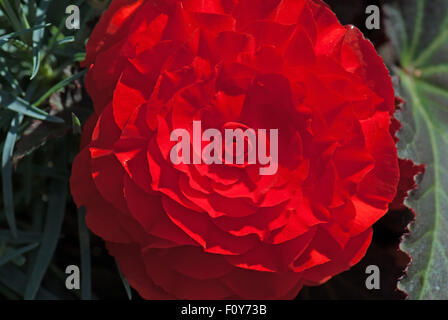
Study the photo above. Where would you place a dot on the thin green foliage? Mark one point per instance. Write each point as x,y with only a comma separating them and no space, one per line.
39,68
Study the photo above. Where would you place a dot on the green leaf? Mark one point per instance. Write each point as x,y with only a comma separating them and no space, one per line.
21,106
52,230
76,124
22,237
5,73
8,149
11,14
41,16
84,244
5,38
66,40
27,178
81,56
16,253
419,31
59,86
126,285
32,9
15,280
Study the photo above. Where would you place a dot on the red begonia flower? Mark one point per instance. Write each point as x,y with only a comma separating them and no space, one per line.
198,231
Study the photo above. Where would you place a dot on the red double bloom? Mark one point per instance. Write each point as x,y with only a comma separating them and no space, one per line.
198,231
